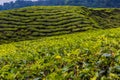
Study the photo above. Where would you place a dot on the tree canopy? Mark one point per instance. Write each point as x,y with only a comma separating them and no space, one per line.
88,3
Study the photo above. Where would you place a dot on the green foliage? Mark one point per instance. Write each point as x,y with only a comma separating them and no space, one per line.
87,55
38,21
90,55
88,3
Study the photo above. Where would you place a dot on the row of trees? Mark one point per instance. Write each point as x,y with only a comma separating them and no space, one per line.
88,3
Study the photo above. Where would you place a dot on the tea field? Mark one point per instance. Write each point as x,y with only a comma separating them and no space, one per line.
60,43
39,21
89,55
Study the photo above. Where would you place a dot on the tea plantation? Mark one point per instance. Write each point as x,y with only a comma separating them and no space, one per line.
91,55
84,52
39,21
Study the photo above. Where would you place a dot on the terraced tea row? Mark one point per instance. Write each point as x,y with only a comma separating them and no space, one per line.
34,22
43,21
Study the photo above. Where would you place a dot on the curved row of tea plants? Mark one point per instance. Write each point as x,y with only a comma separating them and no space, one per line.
38,21
90,55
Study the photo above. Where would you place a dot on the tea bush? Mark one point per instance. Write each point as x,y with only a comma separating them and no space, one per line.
90,55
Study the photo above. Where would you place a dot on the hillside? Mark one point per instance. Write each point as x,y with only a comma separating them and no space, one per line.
90,55
39,21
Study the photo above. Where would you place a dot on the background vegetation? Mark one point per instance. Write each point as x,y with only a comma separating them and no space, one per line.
88,3
35,22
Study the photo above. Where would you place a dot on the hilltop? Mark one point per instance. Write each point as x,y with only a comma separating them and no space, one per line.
39,21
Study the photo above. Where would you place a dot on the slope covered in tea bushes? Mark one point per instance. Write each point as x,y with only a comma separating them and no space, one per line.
90,55
39,21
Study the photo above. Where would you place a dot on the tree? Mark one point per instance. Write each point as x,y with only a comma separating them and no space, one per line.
89,3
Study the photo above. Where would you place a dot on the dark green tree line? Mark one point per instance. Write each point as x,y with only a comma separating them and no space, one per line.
88,3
